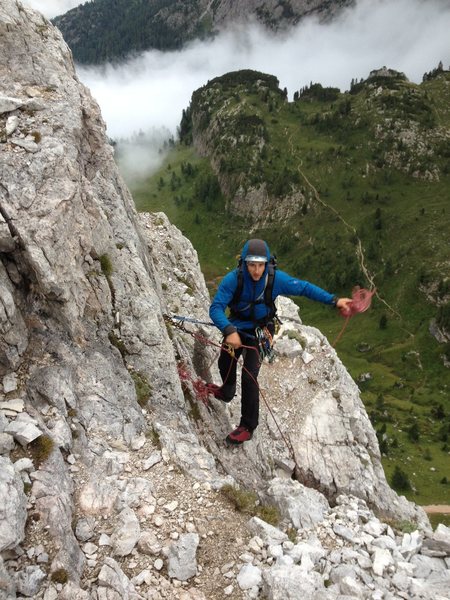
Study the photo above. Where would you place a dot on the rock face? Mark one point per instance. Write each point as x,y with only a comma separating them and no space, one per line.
111,453
271,13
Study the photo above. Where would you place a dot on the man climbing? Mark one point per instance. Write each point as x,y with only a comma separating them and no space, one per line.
249,291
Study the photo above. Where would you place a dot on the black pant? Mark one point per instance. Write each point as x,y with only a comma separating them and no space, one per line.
249,378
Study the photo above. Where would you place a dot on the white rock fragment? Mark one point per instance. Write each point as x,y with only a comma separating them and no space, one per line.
249,576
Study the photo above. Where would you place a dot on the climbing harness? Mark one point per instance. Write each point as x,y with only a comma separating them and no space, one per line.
265,344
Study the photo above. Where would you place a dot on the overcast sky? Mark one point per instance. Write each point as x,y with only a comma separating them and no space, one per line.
52,8
150,91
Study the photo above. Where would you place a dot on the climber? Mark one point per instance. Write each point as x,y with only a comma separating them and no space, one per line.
245,292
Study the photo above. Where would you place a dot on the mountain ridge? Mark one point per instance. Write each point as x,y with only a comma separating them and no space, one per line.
112,30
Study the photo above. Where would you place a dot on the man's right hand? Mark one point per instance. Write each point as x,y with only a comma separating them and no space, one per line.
234,340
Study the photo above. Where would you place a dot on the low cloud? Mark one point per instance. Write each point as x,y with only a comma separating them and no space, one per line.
149,92
152,90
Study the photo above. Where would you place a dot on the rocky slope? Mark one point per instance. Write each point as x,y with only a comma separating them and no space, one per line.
111,463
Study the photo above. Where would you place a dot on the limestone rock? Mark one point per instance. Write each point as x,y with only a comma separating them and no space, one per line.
12,506
182,557
114,584
127,533
304,506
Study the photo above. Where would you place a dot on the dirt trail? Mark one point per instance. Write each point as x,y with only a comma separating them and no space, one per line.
437,508
349,227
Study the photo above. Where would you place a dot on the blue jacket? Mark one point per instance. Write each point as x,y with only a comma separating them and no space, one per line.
283,285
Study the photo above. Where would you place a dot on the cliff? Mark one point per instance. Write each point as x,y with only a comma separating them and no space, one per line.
111,465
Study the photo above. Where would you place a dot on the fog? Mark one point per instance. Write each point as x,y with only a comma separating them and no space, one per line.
150,91
52,8
411,36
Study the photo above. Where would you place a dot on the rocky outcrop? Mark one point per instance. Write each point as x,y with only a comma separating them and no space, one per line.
111,455
272,13
231,131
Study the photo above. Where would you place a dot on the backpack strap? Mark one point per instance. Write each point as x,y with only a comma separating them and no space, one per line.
268,300
240,285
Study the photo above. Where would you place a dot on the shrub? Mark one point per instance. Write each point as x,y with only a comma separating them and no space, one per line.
153,435
413,433
60,576
400,480
106,265
403,526
142,387
41,448
247,502
242,500
292,534
269,513
37,136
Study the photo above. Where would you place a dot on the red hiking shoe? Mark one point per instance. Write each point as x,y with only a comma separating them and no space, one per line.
240,435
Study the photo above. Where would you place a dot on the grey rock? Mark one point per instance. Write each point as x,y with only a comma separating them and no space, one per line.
85,528
11,124
303,506
9,383
342,571
149,544
314,551
98,496
292,582
374,527
23,464
438,544
249,576
267,533
23,431
113,583
344,532
137,489
13,406
288,348
382,558
152,460
13,501
29,581
27,144
411,544
53,492
182,562
8,104
351,587
71,591
384,541
6,443
126,534
7,584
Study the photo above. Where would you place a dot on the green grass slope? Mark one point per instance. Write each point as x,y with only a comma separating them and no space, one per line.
369,170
